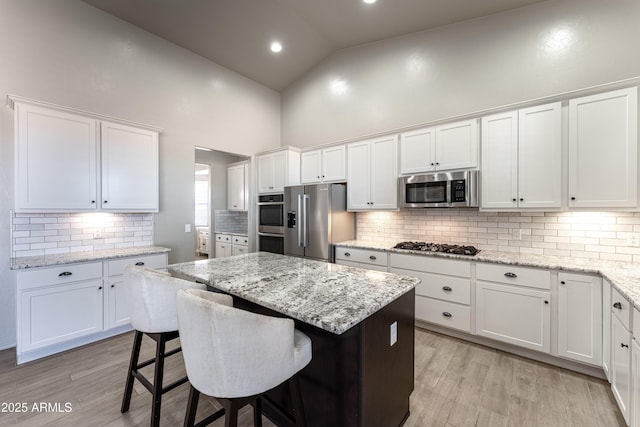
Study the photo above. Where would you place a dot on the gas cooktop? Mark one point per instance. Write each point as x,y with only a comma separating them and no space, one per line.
438,247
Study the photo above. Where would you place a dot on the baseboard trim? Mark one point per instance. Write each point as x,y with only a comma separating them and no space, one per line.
590,370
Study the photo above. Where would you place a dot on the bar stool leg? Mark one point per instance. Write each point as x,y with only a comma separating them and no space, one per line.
231,413
257,413
157,381
133,363
296,397
192,407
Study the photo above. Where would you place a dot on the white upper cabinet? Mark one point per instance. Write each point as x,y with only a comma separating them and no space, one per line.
603,144
60,156
373,174
324,165
277,170
444,147
130,179
238,186
522,158
56,160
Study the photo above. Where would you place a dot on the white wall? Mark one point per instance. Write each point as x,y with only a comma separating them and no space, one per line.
69,53
532,52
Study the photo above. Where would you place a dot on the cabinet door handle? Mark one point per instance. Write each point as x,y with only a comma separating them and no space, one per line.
522,200
65,274
511,275
513,200
573,198
623,345
100,288
546,302
446,289
106,201
432,164
139,263
447,314
617,305
563,282
437,164
93,201
113,286
347,254
372,258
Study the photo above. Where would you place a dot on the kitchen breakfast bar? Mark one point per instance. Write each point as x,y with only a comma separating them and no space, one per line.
360,323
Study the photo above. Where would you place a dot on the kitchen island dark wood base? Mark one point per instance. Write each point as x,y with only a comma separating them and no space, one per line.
356,378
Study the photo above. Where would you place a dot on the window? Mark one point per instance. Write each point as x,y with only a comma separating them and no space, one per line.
202,193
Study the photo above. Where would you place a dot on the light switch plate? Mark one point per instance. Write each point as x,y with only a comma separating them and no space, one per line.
187,228
393,334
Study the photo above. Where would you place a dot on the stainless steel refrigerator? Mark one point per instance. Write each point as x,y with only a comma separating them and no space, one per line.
316,218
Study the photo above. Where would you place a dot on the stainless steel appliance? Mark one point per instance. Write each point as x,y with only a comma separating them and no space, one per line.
271,223
317,218
439,190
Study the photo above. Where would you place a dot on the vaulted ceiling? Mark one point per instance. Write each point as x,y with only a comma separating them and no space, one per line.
237,33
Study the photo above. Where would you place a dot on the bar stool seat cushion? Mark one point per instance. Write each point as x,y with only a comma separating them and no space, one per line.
301,350
152,307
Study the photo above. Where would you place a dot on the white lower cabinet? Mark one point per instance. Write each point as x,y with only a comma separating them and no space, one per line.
66,306
362,258
444,295
514,314
223,245
621,366
606,328
580,318
239,244
635,380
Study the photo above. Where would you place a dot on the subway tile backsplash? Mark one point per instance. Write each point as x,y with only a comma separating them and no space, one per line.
597,235
231,221
35,234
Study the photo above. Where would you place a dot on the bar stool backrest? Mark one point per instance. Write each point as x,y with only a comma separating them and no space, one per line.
230,352
151,296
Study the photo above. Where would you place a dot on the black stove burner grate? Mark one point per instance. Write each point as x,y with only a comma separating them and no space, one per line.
438,247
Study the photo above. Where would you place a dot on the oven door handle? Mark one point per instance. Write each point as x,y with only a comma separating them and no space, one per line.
270,203
270,235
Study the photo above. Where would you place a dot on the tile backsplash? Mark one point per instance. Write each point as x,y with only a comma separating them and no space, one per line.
597,235
57,233
231,221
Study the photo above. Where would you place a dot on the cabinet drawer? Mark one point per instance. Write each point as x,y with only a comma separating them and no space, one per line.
621,308
223,238
448,288
362,265
530,277
59,274
362,256
240,240
116,267
431,264
443,313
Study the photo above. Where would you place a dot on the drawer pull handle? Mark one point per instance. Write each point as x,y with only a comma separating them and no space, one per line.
447,288
447,314
617,305
65,274
546,302
372,258
511,275
563,282
623,345
139,263
100,288
347,254
113,286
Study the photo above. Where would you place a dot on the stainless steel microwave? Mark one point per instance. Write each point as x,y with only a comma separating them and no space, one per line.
452,189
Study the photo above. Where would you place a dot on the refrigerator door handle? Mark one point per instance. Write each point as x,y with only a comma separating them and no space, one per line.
306,208
300,220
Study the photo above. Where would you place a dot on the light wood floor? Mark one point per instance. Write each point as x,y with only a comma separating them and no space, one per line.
457,384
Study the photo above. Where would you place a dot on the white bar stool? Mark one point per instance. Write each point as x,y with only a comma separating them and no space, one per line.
236,356
152,305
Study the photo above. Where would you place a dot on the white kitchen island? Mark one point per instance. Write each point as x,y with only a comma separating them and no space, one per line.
360,322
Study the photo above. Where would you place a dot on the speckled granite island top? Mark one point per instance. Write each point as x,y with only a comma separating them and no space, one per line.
330,296
624,276
74,257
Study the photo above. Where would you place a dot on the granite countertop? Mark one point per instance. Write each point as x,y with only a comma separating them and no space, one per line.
74,257
330,296
624,276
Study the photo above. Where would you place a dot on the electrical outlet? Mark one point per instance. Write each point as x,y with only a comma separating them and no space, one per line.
379,229
97,233
393,334
516,234
633,239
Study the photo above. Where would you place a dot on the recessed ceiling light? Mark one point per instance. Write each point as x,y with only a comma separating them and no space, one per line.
276,47
369,1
